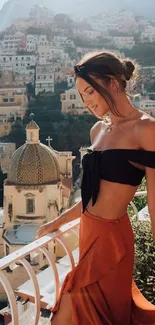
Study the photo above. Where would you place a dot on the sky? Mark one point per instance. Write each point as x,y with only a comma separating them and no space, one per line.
2,3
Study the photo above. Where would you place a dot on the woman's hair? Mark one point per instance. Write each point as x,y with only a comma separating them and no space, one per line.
104,66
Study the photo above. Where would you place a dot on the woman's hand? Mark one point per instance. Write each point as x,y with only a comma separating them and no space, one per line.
68,216
46,229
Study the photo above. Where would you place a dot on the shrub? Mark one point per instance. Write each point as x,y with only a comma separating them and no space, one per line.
144,268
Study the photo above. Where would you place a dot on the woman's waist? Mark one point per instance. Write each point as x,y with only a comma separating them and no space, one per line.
112,201
109,212
102,220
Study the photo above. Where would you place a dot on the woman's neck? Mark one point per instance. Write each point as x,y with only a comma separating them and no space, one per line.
125,108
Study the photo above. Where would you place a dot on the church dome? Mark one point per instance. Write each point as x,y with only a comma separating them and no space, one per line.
33,163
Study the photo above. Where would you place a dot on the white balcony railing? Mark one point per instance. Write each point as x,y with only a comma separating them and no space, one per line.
40,297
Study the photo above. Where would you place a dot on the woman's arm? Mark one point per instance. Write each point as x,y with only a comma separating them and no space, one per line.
147,142
69,215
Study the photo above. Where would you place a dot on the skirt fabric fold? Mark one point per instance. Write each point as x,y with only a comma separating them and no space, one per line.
101,286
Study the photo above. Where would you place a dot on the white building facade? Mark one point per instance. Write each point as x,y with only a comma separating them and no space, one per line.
45,79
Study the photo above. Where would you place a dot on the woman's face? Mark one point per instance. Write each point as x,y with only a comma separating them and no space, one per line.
91,98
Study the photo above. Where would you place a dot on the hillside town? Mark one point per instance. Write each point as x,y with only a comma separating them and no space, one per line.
43,49
37,58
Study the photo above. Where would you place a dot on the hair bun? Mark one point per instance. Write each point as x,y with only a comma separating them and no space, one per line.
129,69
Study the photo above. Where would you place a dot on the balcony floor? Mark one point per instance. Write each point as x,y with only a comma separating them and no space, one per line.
28,318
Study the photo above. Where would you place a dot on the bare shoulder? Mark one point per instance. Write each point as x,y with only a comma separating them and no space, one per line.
146,132
96,129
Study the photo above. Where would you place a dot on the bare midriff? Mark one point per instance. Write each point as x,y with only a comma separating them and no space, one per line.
113,200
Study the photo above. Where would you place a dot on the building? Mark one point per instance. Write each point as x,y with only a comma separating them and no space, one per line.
63,41
145,104
148,35
13,101
87,33
37,188
41,16
45,79
71,103
11,43
6,152
5,125
70,81
148,75
31,43
126,42
19,62
22,24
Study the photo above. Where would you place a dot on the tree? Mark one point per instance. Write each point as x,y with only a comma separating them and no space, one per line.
63,21
143,53
17,135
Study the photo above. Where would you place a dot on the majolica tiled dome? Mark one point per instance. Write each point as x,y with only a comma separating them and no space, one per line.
33,163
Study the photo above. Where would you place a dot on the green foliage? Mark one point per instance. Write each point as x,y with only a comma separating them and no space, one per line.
143,53
17,135
144,268
60,87
141,201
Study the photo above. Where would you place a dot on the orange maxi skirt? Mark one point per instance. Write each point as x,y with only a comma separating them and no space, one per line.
101,286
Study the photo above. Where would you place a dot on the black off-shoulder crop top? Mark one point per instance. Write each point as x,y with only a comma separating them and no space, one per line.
114,165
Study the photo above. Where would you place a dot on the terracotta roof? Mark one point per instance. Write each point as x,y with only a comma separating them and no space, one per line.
33,164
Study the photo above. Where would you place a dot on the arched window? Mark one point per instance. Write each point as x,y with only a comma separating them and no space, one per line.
30,203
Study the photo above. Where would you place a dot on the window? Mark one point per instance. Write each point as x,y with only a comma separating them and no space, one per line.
5,100
30,206
12,100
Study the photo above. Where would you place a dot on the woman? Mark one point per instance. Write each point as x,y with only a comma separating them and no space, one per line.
100,289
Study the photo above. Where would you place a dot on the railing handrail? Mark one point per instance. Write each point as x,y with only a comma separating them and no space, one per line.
38,243
27,249
140,193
